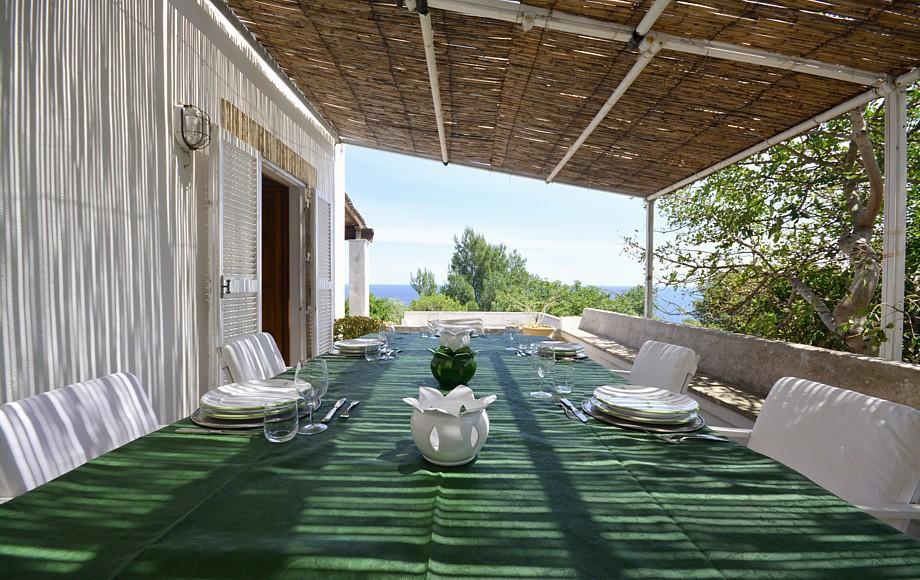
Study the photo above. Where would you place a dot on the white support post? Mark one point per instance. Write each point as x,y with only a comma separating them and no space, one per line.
358,289
893,260
649,258
430,59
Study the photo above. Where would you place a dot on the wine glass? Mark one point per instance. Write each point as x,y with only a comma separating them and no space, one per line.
544,366
312,385
511,332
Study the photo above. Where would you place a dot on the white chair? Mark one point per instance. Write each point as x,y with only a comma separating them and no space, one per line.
47,435
863,449
662,365
474,325
253,357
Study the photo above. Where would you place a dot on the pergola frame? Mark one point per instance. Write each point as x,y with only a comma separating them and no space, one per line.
650,43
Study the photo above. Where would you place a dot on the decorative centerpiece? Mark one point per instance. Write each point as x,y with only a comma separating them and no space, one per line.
449,429
454,362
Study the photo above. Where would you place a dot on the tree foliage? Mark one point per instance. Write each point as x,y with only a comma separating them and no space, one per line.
787,244
387,309
433,302
423,282
486,268
559,299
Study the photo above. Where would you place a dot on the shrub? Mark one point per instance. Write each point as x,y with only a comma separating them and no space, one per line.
355,327
387,309
434,302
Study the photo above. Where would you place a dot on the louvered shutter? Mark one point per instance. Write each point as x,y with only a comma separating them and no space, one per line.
324,292
240,238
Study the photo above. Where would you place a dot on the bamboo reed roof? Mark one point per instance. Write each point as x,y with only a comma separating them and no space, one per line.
514,101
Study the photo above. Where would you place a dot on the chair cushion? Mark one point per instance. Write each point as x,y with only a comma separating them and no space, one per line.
663,365
864,449
253,357
49,434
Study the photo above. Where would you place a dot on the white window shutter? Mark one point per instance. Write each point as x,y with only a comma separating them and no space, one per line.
324,292
240,238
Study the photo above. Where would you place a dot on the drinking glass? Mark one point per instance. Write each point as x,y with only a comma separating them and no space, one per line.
544,366
563,378
511,332
312,386
372,352
280,420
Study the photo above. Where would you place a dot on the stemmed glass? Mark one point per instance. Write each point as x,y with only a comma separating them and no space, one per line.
312,383
544,366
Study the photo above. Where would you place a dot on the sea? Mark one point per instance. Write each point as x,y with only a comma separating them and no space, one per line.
671,305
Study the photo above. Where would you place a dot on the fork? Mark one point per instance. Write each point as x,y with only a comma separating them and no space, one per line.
348,409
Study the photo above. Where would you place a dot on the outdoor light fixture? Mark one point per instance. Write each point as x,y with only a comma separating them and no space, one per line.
194,128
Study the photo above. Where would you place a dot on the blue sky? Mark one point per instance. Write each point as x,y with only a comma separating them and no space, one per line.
416,206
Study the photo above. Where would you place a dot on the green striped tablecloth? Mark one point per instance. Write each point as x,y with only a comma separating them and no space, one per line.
548,497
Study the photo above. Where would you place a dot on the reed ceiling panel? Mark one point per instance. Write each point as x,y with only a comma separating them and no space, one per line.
515,101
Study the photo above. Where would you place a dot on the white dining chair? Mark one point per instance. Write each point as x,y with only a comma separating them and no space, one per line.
864,449
662,365
47,435
474,325
252,357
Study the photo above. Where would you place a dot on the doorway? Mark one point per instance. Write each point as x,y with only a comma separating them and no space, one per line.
276,263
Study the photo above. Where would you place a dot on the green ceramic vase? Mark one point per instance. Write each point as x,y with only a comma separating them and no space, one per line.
452,368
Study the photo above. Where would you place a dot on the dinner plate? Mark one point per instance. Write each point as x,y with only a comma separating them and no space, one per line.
204,419
645,400
243,397
627,415
560,346
696,425
350,354
356,344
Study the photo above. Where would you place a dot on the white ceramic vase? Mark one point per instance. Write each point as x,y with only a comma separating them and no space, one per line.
449,429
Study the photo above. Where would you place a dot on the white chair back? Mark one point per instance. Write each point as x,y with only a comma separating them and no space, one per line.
47,435
474,325
253,357
663,365
865,450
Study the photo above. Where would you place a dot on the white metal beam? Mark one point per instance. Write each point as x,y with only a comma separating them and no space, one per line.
649,258
895,219
649,48
904,80
651,17
430,59
574,24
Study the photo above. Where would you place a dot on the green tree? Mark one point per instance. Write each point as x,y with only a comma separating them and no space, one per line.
558,299
460,289
387,309
423,282
487,268
787,244
436,302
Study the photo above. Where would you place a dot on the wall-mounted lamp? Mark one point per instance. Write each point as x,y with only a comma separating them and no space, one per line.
194,130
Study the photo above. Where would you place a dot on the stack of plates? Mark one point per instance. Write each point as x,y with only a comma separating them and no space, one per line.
240,405
561,349
644,408
355,347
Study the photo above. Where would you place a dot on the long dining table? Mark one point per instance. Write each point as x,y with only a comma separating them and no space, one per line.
547,497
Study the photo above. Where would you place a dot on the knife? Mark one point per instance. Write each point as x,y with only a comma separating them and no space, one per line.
578,412
332,411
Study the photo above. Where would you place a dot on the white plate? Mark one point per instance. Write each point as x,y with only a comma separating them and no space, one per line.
659,419
356,344
645,400
588,408
246,397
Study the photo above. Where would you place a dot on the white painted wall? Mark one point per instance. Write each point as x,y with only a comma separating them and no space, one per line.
339,248
103,256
